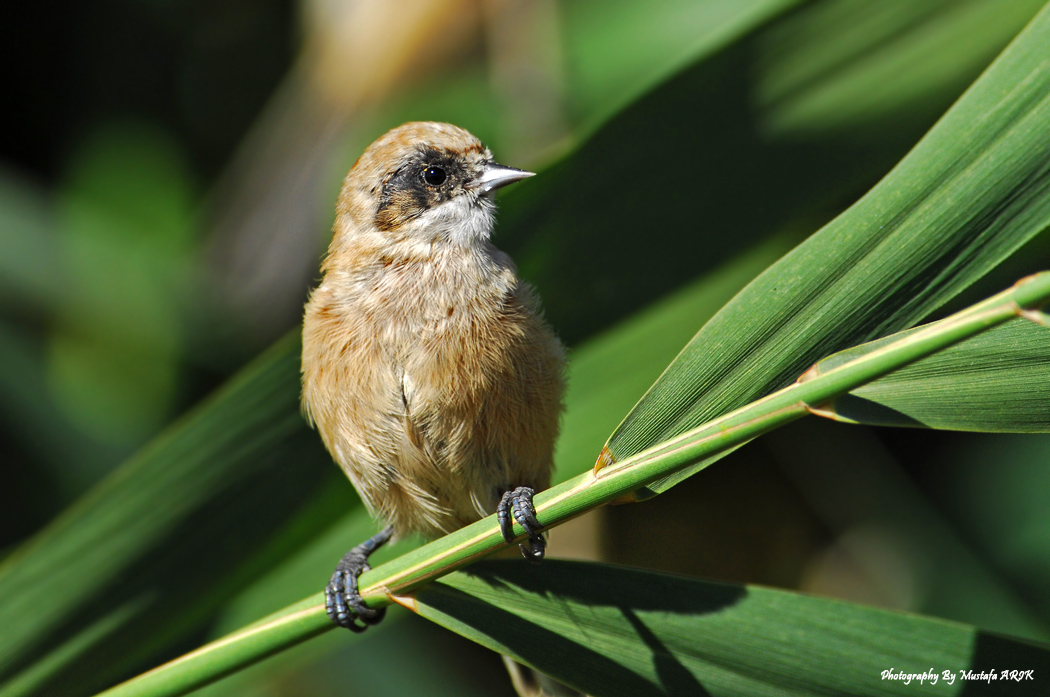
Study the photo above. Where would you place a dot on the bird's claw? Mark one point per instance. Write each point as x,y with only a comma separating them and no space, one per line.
518,503
342,600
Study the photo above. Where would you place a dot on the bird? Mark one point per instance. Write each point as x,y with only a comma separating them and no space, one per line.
428,368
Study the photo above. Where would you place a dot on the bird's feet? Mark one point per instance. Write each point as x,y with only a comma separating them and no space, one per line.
342,601
518,503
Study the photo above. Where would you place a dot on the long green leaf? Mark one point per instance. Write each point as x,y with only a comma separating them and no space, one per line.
972,191
997,381
613,631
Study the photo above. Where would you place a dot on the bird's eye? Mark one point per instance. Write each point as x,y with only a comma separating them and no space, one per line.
435,176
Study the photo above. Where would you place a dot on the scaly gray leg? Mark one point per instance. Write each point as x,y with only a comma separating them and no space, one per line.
342,601
518,502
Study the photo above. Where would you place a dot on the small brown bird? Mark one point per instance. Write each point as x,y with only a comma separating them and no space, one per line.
428,369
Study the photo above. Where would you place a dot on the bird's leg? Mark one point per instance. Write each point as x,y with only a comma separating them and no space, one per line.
342,601
518,503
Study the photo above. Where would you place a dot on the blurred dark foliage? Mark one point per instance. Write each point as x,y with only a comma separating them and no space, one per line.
201,70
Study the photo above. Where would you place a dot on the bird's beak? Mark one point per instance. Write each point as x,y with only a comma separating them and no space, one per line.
495,176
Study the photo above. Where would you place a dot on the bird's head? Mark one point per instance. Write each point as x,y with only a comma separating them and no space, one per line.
424,182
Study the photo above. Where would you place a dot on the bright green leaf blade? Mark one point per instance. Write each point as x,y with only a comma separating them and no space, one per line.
996,381
613,631
973,190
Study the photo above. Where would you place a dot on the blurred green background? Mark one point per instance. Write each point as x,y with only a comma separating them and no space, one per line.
167,181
